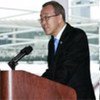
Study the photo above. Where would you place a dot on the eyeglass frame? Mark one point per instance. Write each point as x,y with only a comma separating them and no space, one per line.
46,18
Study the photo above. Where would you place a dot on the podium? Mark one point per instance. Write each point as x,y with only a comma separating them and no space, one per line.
21,85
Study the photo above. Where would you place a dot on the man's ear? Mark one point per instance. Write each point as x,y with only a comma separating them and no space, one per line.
60,18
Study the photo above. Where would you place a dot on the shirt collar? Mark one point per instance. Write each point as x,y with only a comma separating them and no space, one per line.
60,33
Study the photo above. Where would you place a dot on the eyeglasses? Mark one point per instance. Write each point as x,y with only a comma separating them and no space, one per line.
46,18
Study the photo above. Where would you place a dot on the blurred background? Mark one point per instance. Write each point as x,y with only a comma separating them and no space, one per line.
19,27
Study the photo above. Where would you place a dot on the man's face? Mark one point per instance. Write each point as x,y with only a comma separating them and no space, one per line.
49,20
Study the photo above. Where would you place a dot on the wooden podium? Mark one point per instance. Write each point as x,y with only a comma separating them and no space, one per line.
21,85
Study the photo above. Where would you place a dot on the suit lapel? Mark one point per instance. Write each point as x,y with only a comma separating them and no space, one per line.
65,35
51,51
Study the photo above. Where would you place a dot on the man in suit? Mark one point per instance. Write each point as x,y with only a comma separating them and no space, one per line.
68,57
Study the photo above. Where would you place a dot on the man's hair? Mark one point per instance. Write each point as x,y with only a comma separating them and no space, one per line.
58,8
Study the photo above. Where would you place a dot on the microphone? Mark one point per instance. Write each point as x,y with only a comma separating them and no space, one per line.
25,51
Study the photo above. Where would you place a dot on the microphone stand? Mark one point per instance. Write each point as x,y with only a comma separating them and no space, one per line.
12,64
15,60
22,53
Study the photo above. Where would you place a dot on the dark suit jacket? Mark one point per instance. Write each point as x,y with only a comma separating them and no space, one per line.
71,63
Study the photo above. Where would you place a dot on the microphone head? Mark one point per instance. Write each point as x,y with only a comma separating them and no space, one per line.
26,50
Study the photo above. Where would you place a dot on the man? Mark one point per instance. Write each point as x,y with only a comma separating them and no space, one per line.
68,62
